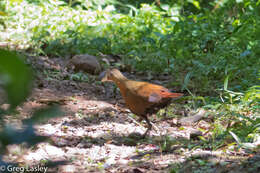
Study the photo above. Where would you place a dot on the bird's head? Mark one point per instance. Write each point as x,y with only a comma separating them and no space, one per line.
111,75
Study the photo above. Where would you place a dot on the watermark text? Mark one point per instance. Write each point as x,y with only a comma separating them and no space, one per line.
18,169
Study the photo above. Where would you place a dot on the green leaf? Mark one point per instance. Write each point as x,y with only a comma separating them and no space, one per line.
226,82
249,146
202,138
15,77
186,80
235,137
2,13
16,1
196,4
201,162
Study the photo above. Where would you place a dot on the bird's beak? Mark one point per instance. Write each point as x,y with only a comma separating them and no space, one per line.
104,79
103,76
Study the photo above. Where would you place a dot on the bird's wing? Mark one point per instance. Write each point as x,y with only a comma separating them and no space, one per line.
154,97
146,91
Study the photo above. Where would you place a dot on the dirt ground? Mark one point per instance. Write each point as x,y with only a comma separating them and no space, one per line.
98,134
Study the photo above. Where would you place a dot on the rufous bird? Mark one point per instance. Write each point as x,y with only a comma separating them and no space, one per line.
142,98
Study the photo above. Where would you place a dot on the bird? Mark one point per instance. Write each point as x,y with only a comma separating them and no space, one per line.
142,98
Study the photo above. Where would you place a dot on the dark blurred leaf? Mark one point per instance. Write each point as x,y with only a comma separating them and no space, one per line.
10,135
43,115
15,77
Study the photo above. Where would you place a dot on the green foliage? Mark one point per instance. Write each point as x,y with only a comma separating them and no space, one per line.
195,42
238,116
253,94
79,77
16,80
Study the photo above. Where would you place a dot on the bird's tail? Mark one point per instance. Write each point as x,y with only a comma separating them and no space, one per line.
172,95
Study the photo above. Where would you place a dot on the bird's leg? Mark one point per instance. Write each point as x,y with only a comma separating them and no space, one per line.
155,127
149,126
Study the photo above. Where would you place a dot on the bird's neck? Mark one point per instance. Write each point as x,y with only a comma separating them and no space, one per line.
120,81
121,84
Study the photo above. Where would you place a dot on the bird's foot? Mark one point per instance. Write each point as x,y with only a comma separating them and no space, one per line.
147,132
144,135
155,128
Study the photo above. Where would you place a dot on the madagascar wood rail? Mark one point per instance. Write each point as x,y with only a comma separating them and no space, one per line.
142,98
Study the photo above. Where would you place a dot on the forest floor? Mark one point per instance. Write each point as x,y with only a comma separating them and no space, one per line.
98,134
